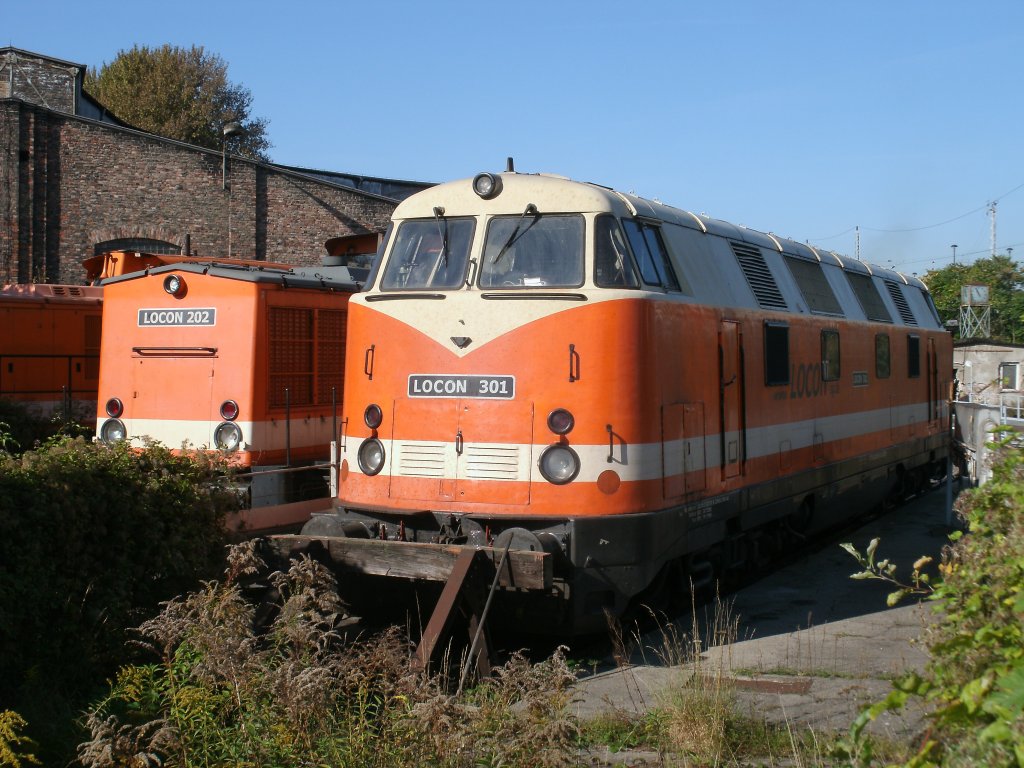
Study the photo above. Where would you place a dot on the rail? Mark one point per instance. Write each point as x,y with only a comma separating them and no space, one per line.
78,365
1011,407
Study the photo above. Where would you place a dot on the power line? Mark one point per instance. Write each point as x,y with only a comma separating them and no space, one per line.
984,207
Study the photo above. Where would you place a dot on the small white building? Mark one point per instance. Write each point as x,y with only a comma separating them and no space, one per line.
985,370
989,393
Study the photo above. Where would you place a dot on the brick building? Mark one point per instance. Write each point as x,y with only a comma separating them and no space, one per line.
75,181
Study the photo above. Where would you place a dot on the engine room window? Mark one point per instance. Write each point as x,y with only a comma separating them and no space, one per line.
649,249
814,286
776,354
613,265
830,355
533,250
883,361
913,356
429,253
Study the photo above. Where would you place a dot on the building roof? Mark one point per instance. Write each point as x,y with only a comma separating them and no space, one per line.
88,107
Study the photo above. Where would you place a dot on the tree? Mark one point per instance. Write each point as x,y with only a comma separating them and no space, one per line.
1004,278
179,93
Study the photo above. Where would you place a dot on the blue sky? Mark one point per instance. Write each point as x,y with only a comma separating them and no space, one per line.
807,119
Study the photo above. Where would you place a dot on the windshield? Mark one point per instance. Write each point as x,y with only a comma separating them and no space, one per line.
420,260
533,250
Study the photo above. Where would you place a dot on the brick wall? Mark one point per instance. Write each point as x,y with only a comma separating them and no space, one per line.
38,80
68,183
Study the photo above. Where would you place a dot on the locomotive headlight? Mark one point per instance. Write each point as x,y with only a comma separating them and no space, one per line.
229,410
371,456
373,416
227,436
175,285
559,464
113,431
114,408
487,185
560,421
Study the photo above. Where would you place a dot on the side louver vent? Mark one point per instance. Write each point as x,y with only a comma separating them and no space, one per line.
759,277
901,303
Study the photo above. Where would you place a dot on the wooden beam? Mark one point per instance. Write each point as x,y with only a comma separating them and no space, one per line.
411,560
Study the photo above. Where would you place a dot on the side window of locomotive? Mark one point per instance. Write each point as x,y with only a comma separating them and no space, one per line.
379,257
429,253
649,249
776,354
613,266
524,251
913,356
883,361
830,355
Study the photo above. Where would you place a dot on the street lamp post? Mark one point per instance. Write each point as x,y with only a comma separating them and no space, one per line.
228,131
953,246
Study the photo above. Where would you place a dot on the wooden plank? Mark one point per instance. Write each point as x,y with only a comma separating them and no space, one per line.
411,560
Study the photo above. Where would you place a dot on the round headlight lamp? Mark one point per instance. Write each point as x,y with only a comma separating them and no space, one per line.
373,416
227,436
229,410
560,421
487,185
114,408
113,431
559,464
371,456
175,285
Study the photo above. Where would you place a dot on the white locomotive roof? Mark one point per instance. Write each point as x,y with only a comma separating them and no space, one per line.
558,194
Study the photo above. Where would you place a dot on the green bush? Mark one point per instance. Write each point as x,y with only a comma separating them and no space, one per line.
975,677
92,539
300,693
22,430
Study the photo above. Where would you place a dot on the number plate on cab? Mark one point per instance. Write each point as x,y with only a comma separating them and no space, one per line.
165,318
448,385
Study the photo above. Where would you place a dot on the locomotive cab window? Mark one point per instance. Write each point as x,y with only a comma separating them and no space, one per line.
776,354
429,253
613,265
649,249
533,250
830,355
883,361
913,356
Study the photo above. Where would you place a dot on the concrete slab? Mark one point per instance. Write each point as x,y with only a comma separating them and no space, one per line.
806,645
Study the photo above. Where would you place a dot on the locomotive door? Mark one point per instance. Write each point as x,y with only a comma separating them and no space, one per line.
476,442
168,392
730,365
933,384
682,449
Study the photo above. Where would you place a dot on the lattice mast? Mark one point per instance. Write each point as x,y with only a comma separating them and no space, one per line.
975,312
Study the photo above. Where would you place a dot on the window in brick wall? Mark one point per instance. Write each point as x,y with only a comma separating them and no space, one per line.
143,244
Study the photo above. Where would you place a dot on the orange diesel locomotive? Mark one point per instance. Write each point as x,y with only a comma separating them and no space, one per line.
647,396
49,355
244,357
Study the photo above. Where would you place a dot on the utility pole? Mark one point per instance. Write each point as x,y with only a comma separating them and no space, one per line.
953,246
992,213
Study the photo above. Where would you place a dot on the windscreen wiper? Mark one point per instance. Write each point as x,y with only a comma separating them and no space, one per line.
531,210
443,232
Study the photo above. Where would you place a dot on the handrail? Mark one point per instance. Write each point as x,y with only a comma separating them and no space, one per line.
176,351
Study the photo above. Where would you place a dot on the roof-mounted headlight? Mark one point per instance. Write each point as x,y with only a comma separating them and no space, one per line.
487,185
175,285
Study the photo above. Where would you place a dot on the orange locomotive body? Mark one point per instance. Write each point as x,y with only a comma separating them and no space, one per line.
649,396
49,354
240,357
